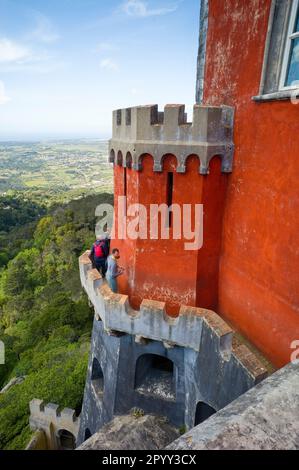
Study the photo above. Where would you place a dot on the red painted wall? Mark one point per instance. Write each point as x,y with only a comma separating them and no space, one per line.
258,284
163,269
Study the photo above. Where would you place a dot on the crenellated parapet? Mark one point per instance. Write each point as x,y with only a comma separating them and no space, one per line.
148,360
51,420
144,130
190,329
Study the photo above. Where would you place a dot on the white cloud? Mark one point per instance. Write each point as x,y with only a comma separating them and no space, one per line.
11,51
16,57
44,30
140,8
3,97
109,64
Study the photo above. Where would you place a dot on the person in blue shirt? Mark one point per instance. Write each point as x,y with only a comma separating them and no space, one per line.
113,270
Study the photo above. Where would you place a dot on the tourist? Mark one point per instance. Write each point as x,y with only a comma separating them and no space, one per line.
113,270
99,254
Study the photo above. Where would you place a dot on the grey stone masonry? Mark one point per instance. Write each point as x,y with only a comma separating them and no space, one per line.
206,366
264,418
201,58
144,130
152,322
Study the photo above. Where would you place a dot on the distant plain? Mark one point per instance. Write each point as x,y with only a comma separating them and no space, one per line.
55,170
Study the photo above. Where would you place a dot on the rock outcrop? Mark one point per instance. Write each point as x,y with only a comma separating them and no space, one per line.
133,432
12,383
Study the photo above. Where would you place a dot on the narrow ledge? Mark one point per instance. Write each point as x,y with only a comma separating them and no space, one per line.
277,96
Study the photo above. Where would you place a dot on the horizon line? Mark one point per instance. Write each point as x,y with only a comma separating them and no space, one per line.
49,139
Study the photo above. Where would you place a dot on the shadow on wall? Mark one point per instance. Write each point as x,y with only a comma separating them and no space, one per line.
155,376
66,440
203,412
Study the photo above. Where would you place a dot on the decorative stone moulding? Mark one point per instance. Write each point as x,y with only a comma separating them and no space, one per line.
151,322
144,130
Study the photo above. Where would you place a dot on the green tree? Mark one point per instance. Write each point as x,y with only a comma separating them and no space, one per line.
45,320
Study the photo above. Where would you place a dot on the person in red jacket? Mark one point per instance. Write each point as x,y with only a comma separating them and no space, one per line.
99,254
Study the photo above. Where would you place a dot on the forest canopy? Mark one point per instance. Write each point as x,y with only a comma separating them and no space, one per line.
45,320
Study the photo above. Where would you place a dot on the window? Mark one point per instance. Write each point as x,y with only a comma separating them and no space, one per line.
280,73
125,182
125,190
97,378
169,197
290,67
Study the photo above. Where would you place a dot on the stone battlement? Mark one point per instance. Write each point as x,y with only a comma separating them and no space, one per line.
152,322
51,420
144,130
39,412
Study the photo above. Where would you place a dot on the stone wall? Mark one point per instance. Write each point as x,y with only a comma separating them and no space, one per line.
49,419
38,441
264,418
152,322
207,366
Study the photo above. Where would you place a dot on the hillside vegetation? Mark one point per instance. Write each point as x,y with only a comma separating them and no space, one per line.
45,320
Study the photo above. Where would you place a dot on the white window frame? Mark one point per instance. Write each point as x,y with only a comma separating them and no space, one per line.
290,37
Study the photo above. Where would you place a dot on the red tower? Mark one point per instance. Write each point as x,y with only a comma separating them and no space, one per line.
159,158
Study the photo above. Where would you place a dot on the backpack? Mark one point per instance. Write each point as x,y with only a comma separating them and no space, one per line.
99,250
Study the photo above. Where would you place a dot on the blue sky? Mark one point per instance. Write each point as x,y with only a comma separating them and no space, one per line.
66,64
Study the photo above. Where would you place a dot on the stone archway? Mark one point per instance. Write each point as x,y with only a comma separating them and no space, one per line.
154,375
97,377
66,440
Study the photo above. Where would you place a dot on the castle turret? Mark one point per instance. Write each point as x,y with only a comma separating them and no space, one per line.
160,158
141,356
